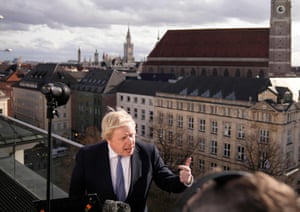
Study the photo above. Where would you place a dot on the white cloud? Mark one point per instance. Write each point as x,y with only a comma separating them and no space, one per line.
55,29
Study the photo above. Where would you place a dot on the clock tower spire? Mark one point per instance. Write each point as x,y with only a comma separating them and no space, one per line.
280,38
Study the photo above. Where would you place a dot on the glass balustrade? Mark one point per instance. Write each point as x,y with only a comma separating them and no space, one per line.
24,157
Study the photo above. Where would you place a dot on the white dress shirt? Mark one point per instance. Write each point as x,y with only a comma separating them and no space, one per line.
113,159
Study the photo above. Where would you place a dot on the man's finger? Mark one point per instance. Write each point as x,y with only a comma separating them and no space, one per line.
184,167
188,161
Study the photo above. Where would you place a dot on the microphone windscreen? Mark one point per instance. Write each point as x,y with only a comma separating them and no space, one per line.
115,206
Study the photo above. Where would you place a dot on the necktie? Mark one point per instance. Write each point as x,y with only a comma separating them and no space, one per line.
120,186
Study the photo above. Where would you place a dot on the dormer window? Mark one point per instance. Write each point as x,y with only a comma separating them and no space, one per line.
287,96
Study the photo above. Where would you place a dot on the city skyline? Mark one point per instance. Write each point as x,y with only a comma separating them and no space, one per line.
39,31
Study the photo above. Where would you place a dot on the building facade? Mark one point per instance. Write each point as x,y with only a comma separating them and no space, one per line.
30,104
245,125
91,96
235,52
231,123
137,98
3,104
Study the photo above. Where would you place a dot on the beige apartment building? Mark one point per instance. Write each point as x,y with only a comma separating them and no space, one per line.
233,124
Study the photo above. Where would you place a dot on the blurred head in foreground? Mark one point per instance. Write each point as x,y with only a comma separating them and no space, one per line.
242,192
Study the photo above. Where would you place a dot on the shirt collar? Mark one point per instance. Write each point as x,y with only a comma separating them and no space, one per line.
111,152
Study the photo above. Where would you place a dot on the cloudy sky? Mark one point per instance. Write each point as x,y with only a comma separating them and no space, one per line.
52,31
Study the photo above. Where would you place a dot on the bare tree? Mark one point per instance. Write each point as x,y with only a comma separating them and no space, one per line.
263,153
91,135
172,144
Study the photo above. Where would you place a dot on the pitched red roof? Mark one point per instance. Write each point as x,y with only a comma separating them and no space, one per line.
230,43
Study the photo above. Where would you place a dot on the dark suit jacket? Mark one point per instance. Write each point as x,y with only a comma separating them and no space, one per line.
91,174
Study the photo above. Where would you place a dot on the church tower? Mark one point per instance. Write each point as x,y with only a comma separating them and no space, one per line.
128,49
96,58
78,56
280,38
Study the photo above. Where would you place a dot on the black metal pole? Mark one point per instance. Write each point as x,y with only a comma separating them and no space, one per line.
50,116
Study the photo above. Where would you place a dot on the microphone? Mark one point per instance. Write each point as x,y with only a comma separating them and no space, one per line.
115,206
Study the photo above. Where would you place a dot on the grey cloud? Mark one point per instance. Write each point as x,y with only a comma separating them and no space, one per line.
95,13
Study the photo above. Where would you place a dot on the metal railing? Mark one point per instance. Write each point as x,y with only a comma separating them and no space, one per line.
24,157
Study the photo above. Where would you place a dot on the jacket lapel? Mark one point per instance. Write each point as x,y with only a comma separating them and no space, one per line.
136,169
104,172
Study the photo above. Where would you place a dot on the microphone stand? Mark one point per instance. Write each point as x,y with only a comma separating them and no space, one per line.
56,94
51,105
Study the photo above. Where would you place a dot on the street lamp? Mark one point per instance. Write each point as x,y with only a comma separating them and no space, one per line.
6,50
1,17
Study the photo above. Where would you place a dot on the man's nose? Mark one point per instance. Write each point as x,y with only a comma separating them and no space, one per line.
130,139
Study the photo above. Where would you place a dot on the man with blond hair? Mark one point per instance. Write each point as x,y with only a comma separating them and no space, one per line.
121,168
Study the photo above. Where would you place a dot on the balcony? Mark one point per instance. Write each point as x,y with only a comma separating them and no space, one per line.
23,165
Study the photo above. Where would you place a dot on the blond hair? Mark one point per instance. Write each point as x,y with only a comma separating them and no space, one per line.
115,118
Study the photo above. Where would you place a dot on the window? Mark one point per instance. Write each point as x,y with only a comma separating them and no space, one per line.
202,125
151,132
266,117
226,150
135,99
213,165
151,115
201,108
227,130
263,161
160,118
213,109
179,105
226,168
190,107
128,110
143,112
201,165
135,113
190,123
159,102
143,130
213,147
169,104
121,98
170,137
240,131
160,135
289,137
214,127
190,141
143,101
170,120
202,144
150,102
180,121
241,153
263,136
179,139
226,111
128,98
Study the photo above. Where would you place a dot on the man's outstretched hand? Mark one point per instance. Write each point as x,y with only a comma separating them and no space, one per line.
185,173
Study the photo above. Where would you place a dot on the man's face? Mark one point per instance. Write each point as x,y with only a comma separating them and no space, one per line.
123,140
